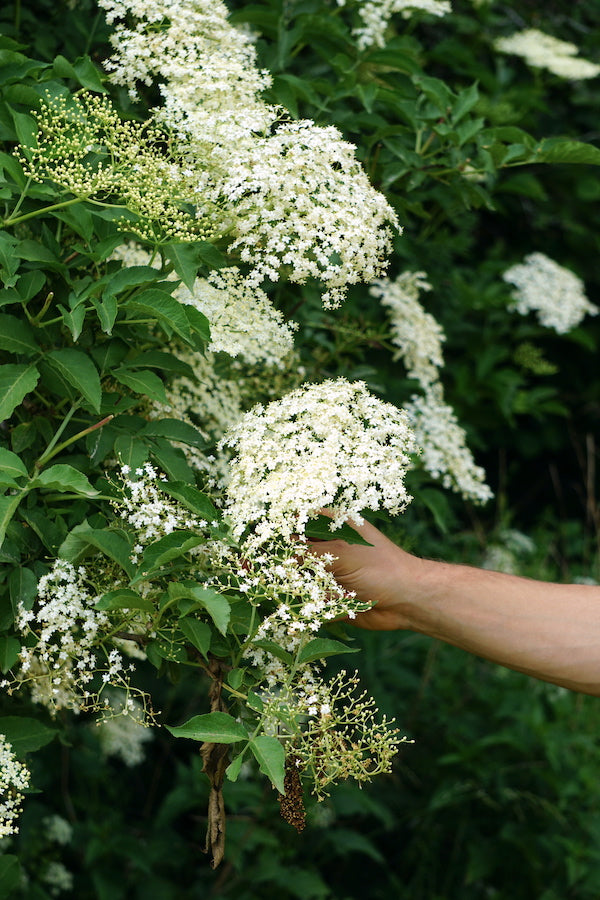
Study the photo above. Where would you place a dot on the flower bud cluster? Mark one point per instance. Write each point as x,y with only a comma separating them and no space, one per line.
323,445
14,778
556,294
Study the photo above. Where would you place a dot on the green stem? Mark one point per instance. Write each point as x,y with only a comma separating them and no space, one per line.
56,437
12,220
22,197
48,455
17,17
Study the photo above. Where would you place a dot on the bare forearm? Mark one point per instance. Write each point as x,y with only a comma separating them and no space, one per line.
550,631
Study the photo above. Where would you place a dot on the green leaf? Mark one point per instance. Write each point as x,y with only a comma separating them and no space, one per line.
167,548
321,528
16,336
9,261
166,362
198,323
25,734
142,382
163,308
234,768
162,648
131,451
271,647
79,371
73,319
186,261
319,648
15,383
8,506
255,702
216,605
124,598
9,652
171,460
465,102
216,727
26,128
125,278
83,71
270,755
175,430
556,150
22,586
64,478
82,540
197,633
106,310
12,464
191,497
10,875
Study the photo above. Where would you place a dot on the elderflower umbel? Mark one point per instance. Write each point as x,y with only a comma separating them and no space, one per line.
415,332
122,731
444,452
303,203
556,294
376,14
14,778
322,445
542,51
70,633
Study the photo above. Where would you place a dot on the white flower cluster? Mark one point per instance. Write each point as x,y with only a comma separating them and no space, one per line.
57,829
553,292
542,51
304,205
243,321
122,730
415,332
293,198
444,452
149,510
14,778
205,67
69,630
58,878
322,445
376,14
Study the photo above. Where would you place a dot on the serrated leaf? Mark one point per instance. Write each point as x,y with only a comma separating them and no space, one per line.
166,362
142,382
198,323
321,528
124,598
270,755
186,261
106,310
9,652
216,727
128,277
16,336
271,647
79,371
12,464
319,648
15,383
22,586
216,605
556,150
8,506
65,478
167,548
25,734
197,633
131,451
191,497
234,768
83,539
255,702
73,319
163,308
175,430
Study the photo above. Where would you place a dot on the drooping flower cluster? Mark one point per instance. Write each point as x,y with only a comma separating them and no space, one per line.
322,445
415,332
69,652
243,321
442,440
88,149
122,731
543,51
554,293
375,16
14,779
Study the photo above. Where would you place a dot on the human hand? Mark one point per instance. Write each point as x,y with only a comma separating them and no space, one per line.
381,574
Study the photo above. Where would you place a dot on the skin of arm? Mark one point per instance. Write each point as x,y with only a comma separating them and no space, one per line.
549,631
